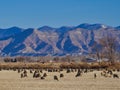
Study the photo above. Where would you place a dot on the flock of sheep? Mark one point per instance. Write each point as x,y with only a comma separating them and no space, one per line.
38,73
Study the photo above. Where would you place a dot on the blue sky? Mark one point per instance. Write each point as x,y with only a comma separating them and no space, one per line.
56,13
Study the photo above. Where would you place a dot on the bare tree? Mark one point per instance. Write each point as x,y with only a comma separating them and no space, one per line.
7,59
109,47
97,49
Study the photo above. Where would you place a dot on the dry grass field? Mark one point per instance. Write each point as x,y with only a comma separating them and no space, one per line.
11,80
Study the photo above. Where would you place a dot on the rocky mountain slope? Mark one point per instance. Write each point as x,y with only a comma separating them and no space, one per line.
53,41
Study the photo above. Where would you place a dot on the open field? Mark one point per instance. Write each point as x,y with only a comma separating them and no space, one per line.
11,80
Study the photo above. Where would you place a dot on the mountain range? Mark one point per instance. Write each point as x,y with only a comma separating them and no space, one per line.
73,40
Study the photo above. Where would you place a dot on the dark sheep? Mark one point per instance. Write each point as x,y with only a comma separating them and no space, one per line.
78,74
61,75
60,69
42,78
56,78
68,71
36,74
95,75
24,71
50,70
85,71
115,76
31,71
41,71
44,75
110,72
18,70
25,74
22,75
118,70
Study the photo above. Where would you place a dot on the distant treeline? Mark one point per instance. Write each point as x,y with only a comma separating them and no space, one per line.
72,65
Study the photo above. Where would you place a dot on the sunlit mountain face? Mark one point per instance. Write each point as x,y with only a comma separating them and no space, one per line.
46,40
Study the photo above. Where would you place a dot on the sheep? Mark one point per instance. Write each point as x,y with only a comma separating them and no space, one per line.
44,75
25,74
68,71
56,78
115,76
18,70
78,73
61,75
95,75
42,78
22,75
31,71
41,71
36,74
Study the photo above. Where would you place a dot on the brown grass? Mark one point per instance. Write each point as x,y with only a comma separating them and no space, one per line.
10,80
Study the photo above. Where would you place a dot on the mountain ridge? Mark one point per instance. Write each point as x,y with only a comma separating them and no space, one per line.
47,40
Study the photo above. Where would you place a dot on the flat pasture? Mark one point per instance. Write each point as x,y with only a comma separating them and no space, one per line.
11,80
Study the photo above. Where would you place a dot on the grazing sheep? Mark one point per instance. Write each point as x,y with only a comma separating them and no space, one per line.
50,70
115,76
18,70
24,71
55,70
60,69
22,75
42,78
36,74
79,70
41,71
31,71
110,72
114,70
25,74
85,71
101,73
78,74
118,70
44,75
56,78
105,73
68,71
61,75
95,75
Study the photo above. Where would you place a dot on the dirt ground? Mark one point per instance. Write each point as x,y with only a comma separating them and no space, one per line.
10,80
